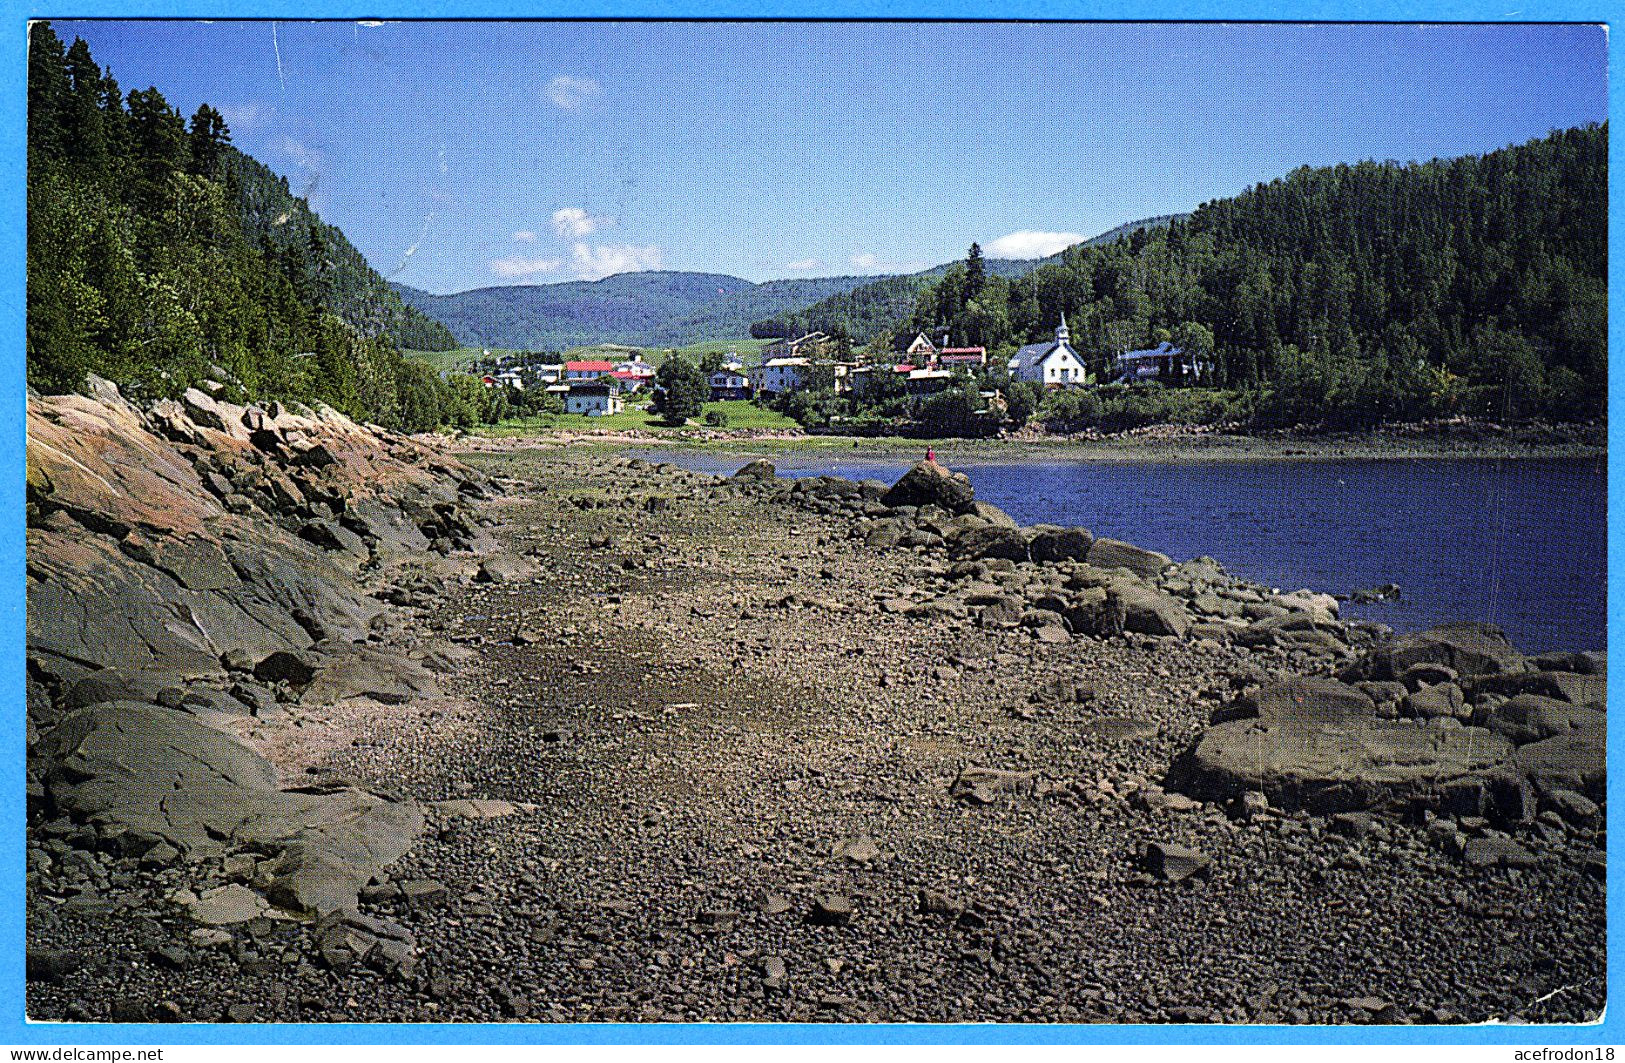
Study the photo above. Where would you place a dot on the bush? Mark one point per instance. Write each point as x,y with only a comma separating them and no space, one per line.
716,418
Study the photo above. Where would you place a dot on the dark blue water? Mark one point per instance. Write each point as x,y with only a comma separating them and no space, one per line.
1521,543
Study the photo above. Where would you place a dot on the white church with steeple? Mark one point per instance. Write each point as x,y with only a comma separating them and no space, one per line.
1054,365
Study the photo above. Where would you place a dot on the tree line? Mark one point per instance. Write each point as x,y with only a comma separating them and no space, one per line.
1347,294
159,256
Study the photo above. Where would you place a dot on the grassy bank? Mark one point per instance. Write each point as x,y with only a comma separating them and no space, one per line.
739,414
1158,445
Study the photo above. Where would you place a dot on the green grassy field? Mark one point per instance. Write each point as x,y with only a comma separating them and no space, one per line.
460,358
741,413
748,350
457,359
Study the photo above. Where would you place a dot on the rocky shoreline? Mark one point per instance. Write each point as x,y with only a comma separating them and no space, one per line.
327,725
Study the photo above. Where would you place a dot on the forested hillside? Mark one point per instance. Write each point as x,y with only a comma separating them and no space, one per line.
872,310
1476,284
622,308
647,309
159,255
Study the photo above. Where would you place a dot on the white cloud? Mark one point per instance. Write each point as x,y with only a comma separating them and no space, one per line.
866,260
592,262
245,117
570,93
520,266
525,236
804,264
573,221
306,157
1030,244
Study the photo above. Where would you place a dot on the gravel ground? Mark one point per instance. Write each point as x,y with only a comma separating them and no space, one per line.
727,774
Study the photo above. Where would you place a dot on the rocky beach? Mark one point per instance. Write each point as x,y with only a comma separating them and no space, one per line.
327,724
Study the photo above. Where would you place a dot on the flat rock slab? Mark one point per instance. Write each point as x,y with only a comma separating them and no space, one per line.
1341,766
1113,553
1147,610
159,772
225,905
1302,700
1470,648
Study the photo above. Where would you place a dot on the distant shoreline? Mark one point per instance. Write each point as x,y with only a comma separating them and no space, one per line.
1158,444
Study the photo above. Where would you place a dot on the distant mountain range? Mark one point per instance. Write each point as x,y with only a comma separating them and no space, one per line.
670,309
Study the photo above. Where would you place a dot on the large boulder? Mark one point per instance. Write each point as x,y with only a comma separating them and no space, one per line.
1148,611
993,515
1113,553
159,774
1348,765
1468,647
928,483
976,543
1529,718
1062,544
760,469
1300,701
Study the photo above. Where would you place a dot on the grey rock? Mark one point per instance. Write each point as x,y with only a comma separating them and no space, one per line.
1065,544
1341,766
1174,863
830,910
1113,553
928,483
504,568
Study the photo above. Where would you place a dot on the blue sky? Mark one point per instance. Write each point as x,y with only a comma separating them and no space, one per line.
461,155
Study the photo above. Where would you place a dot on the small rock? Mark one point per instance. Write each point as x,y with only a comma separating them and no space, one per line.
830,910
1174,863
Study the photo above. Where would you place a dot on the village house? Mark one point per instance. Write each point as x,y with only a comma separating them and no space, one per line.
962,357
922,350
1164,362
591,370
629,381
594,398
1054,365
729,382
634,368
800,347
927,381
778,375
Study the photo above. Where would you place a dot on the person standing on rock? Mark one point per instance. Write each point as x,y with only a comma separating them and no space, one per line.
930,455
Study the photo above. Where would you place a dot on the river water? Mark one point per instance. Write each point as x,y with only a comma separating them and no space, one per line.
1519,542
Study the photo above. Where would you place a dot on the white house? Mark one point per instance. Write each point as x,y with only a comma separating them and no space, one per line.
1054,365
594,399
729,382
635,368
778,375
590,370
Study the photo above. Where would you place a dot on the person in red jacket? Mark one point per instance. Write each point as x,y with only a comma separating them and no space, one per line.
930,455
